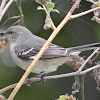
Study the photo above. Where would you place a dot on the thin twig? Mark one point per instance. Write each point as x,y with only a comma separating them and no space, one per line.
7,18
92,2
53,35
51,77
18,21
21,13
14,17
89,69
84,13
5,9
85,62
82,87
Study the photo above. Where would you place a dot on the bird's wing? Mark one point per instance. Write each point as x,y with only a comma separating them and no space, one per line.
53,51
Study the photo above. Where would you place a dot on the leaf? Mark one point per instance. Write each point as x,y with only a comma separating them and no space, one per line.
40,8
50,5
63,97
66,97
55,10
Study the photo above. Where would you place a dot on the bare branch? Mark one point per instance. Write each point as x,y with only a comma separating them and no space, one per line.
18,21
88,70
50,77
21,13
82,87
92,1
5,9
80,69
84,13
2,5
14,17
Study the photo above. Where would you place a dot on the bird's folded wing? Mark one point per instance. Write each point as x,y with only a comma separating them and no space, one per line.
52,51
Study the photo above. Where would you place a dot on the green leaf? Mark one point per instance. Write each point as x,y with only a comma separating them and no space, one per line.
40,8
66,97
50,5
55,10
63,97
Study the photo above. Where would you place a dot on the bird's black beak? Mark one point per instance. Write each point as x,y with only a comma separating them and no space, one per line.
2,33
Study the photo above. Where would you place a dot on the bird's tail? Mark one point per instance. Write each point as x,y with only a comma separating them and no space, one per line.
85,47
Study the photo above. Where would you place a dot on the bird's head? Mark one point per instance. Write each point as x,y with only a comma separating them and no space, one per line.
15,33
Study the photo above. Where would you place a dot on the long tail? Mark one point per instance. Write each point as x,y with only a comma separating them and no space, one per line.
84,47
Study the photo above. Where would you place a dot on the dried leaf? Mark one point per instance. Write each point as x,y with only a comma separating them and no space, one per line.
76,62
48,24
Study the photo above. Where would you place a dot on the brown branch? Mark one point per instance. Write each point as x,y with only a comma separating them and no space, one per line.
18,21
21,13
53,35
14,17
82,87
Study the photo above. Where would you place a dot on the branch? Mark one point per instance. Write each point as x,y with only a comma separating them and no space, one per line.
85,62
2,5
84,13
14,17
53,35
21,13
82,87
50,77
5,9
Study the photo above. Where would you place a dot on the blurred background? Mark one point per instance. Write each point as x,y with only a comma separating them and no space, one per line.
76,32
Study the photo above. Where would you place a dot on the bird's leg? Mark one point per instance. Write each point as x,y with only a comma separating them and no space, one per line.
41,75
29,82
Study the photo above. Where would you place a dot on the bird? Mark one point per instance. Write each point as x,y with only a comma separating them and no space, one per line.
24,46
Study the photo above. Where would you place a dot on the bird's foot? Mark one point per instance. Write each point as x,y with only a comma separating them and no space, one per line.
41,75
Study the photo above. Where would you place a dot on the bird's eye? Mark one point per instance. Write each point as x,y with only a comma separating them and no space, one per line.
11,32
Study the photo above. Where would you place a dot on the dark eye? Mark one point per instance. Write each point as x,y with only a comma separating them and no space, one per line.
11,32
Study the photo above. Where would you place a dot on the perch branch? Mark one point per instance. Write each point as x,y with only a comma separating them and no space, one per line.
50,77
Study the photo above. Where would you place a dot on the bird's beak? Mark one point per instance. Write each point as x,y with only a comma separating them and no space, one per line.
2,33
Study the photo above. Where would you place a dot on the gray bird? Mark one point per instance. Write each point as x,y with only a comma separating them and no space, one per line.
24,46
